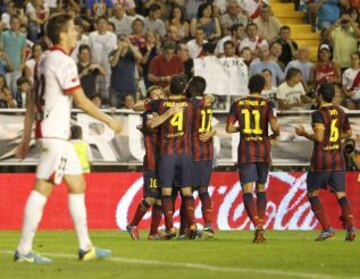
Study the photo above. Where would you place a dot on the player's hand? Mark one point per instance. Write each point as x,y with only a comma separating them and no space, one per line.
176,108
300,130
115,126
273,139
206,136
22,150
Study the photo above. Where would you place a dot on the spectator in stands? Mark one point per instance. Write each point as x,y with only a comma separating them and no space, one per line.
188,62
191,7
37,51
123,61
303,64
129,6
270,90
207,20
38,13
149,53
88,72
11,10
251,7
196,45
268,25
6,99
83,38
237,34
101,43
177,20
345,40
351,83
98,8
173,35
137,38
229,49
153,21
5,64
291,93
275,53
165,65
253,40
129,102
13,44
324,12
325,69
233,16
122,22
289,47
246,55
325,38
266,63
23,91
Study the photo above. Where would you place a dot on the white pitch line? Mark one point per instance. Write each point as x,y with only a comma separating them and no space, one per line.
207,267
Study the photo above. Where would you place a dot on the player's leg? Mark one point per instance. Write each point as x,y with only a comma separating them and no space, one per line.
316,181
337,184
156,215
261,200
206,205
32,216
182,212
150,195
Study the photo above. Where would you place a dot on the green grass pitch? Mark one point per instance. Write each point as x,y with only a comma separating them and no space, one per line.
286,254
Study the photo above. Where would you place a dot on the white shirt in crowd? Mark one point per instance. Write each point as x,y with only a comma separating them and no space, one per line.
270,94
220,45
348,79
59,75
253,45
291,95
101,45
194,48
83,41
123,26
51,3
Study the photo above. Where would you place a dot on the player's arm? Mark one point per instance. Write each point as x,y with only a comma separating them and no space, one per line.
140,106
208,100
275,128
346,131
160,119
207,135
231,120
28,124
346,134
87,106
317,135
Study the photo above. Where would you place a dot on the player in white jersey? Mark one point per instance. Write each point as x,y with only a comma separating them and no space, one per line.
56,86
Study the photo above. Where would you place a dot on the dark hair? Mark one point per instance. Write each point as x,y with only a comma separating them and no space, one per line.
209,48
327,92
256,83
201,9
112,24
285,27
168,45
76,132
84,47
235,27
15,17
251,23
196,87
356,53
38,43
154,7
291,73
266,70
182,18
229,42
273,43
137,20
100,18
177,84
22,80
56,25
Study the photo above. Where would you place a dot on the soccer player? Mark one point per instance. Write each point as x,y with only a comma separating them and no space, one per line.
151,190
254,114
202,150
56,85
175,151
330,126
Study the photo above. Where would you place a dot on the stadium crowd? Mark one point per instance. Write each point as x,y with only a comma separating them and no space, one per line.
125,46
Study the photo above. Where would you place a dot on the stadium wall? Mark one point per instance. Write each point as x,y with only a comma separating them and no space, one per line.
112,199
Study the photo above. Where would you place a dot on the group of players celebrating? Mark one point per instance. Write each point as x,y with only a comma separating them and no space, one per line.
179,150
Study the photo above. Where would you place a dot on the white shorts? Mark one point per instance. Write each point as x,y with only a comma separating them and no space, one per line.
58,158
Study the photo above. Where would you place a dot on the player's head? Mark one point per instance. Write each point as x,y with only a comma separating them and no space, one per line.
61,30
326,92
178,84
155,93
196,87
256,84
76,132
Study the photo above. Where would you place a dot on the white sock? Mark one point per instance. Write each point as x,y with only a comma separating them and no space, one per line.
78,212
32,216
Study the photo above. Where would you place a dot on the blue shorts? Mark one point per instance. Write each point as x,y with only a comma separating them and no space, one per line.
151,184
253,172
201,173
335,180
175,165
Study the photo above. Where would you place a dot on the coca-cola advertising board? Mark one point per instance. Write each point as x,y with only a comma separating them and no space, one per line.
112,199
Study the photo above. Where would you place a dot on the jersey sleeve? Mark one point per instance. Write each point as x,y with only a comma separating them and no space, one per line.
68,77
152,106
231,118
316,118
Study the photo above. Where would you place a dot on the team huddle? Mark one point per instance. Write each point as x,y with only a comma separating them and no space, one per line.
178,139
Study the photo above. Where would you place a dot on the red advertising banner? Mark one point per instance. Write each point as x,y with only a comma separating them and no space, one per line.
112,198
